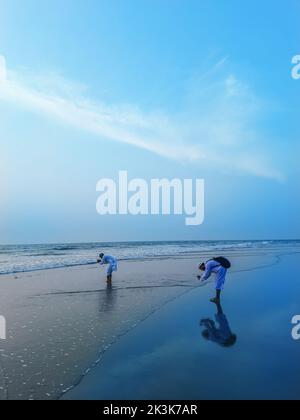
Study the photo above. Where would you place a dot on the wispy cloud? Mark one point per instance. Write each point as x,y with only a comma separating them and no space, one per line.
217,126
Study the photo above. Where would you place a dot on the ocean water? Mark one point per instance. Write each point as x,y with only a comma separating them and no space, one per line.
25,258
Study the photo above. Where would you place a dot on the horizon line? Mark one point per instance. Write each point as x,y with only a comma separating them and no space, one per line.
149,241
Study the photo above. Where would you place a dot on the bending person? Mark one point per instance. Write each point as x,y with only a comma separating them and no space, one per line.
112,265
219,267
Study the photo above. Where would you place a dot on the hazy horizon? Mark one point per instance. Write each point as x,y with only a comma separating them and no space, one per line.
152,241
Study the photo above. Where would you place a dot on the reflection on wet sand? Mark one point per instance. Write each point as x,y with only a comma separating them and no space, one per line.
107,299
221,334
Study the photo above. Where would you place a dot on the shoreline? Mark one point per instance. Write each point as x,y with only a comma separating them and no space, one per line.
34,258
76,319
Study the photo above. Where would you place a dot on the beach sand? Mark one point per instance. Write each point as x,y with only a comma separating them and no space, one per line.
70,336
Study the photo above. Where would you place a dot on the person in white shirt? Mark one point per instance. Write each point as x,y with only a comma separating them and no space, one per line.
219,267
112,265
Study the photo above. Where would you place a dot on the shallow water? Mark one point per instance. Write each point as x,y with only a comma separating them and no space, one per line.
166,357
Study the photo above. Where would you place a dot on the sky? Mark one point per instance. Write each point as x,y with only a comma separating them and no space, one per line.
160,88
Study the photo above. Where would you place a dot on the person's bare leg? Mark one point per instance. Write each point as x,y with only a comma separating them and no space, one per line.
109,278
217,299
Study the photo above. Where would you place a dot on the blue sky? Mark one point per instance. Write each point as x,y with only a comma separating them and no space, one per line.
162,88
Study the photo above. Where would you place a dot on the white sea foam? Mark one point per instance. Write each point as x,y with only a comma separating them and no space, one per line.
24,258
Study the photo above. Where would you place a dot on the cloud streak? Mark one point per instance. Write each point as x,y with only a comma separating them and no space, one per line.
216,127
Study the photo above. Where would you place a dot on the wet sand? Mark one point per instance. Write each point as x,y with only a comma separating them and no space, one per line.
166,357
70,336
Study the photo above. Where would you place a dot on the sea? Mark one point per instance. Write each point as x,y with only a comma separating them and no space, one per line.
26,258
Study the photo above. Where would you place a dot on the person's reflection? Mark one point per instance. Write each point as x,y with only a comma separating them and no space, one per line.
107,298
220,334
